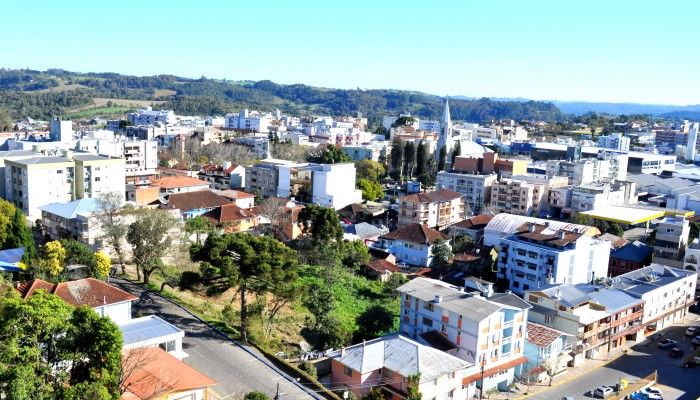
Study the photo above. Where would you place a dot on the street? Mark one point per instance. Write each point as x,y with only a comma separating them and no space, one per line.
237,369
641,360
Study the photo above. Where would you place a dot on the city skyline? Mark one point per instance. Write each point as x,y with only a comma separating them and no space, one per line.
575,51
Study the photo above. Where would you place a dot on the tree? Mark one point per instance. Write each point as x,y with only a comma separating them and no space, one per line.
374,322
320,302
112,219
355,254
255,396
309,368
442,156
441,254
457,150
375,393
252,264
393,283
370,170
6,123
103,264
322,222
371,190
615,229
198,225
21,236
279,217
694,231
396,159
151,238
7,212
51,350
332,155
421,159
51,260
79,253
409,159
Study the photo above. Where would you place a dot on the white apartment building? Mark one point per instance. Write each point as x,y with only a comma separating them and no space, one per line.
61,131
691,261
488,331
375,151
333,185
149,116
41,180
260,146
474,188
616,141
141,156
590,170
524,194
503,225
538,255
594,196
671,241
250,121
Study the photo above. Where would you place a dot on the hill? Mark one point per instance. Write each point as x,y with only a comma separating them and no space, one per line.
42,94
662,110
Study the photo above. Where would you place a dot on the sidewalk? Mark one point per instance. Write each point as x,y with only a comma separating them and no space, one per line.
572,373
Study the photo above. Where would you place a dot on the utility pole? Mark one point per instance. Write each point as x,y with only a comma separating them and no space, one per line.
483,364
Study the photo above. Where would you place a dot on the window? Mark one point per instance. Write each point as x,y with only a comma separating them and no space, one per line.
97,179
427,321
168,346
347,371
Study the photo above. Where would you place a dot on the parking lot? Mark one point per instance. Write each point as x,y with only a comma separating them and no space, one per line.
641,360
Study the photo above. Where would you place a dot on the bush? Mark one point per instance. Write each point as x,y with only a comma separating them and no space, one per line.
255,396
309,368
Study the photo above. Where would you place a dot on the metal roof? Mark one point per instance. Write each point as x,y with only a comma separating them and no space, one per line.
72,209
510,223
654,276
148,328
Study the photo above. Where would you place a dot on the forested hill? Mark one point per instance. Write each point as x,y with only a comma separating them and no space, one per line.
42,94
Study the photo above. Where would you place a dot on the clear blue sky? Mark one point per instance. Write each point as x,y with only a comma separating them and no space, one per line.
595,50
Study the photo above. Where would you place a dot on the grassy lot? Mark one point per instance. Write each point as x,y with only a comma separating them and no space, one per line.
164,92
98,111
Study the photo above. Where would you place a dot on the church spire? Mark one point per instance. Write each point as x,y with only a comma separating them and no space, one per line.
446,120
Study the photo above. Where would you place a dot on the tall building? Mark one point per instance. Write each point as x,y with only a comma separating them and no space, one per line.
691,146
524,194
474,188
615,140
435,209
671,241
61,131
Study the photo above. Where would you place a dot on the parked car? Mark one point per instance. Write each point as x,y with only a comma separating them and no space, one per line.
696,341
675,353
667,344
653,390
568,398
692,362
692,331
603,391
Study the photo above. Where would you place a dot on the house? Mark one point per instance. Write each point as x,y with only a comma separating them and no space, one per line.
151,331
368,211
472,227
193,204
10,260
223,177
154,374
630,256
546,350
671,241
73,220
231,218
365,232
539,255
434,209
382,268
395,363
412,244
504,224
180,184
286,215
242,199
487,331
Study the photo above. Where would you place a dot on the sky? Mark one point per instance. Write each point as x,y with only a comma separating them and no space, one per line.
589,50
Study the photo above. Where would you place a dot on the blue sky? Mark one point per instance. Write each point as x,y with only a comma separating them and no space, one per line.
593,50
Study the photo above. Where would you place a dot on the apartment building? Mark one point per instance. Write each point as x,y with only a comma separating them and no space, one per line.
486,331
598,195
475,189
149,116
72,220
223,177
40,180
489,162
671,241
615,140
539,255
524,194
692,256
412,244
394,364
141,156
435,209
260,146
375,151
590,170
598,318
649,163
249,121
504,225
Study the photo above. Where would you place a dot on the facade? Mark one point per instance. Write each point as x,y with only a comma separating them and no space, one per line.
141,156
671,241
412,244
333,185
692,256
595,196
392,363
590,170
629,257
263,177
524,194
691,146
73,220
615,140
223,177
648,163
180,184
260,146
435,209
546,350
486,331
474,189
489,162
61,131
249,121
375,151
149,116
539,255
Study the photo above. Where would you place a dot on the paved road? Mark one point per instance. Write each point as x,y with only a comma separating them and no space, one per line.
676,382
237,369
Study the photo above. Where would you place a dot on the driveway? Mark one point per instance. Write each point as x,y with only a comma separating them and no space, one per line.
236,368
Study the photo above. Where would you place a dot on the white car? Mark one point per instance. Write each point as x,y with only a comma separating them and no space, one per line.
692,331
653,393
603,391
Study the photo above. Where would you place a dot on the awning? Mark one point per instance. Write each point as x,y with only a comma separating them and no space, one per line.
494,370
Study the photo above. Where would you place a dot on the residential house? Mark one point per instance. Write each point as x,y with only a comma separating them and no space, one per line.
546,350
629,257
180,184
223,177
486,331
435,209
671,241
242,199
193,204
395,363
472,227
475,189
74,220
537,256
412,244
367,233
283,214
230,218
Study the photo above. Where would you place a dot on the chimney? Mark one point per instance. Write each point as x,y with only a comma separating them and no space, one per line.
342,352
438,298
364,342
104,299
561,234
531,228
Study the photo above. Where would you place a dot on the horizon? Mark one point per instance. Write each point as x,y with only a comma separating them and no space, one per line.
592,52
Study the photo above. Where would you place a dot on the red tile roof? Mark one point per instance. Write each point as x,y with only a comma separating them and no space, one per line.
383,266
228,213
546,235
431,197
159,374
194,200
178,181
540,335
415,233
219,168
235,194
475,222
91,292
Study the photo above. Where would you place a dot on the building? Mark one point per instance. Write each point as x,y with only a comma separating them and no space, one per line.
394,364
10,155
629,257
72,220
546,350
671,241
472,227
375,151
474,189
489,162
684,198
40,180
590,170
333,185
412,244
649,163
486,331
241,199
599,195
61,131
230,218
141,156
223,177
260,146
179,184
524,194
445,140
615,140
504,224
149,116
598,318
691,146
539,255
192,204
248,121
435,209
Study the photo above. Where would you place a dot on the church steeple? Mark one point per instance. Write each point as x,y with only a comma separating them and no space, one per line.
446,120
445,134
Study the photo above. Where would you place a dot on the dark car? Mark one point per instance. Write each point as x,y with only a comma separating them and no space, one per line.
667,344
675,353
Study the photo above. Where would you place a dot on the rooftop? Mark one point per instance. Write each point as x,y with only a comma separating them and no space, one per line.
142,329
72,209
624,215
431,197
228,213
510,223
540,335
476,222
416,233
178,181
194,200
643,280
89,291
546,235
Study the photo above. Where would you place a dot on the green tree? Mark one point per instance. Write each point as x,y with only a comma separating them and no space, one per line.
320,303
615,229
251,264
456,151
151,238
322,222
374,393
79,253
393,283
421,159
374,322
355,254
370,170
371,190
103,264
6,123
694,231
403,121
21,236
441,254
442,156
409,159
112,217
51,350
198,225
255,396
332,155
7,212
50,262
396,159
309,368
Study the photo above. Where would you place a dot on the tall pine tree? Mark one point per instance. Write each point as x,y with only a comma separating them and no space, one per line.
21,236
421,159
409,159
396,158
441,159
457,150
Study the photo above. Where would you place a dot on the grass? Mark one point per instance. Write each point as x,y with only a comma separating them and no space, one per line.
98,111
164,92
